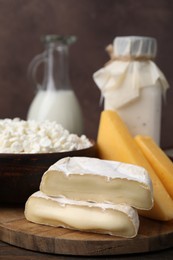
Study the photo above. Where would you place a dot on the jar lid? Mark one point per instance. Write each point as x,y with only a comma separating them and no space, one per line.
135,46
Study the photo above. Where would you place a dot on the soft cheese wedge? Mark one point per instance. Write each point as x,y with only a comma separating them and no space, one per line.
92,179
160,162
115,142
117,220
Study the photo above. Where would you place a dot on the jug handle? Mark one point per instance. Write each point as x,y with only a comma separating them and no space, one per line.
32,68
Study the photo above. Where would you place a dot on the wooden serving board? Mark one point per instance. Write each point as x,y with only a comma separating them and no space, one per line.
16,230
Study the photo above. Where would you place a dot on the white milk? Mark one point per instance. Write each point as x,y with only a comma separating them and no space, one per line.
59,105
132,84
143,115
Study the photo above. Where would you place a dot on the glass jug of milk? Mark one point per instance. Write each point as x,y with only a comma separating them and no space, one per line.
55,99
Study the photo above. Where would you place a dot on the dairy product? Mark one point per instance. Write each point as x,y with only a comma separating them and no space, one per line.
162,165
117,220
132,84
142,115
114,142
91,179
57,105
20,136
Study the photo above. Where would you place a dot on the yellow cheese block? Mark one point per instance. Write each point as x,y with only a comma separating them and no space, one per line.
114,142
160,162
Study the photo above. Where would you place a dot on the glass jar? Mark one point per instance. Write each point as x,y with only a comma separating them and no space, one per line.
132,84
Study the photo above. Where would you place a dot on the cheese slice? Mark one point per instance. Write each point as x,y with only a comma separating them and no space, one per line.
114,142
92,179
116,220
160,162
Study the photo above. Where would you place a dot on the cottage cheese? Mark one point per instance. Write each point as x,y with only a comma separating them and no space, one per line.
20,136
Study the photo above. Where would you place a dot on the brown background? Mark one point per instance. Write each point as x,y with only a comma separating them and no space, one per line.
95,23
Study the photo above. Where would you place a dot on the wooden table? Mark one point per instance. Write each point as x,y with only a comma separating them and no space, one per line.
8,252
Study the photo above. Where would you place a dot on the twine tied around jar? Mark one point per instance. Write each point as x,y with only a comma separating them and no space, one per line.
113,57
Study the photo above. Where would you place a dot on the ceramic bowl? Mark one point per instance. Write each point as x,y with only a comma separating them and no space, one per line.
20,174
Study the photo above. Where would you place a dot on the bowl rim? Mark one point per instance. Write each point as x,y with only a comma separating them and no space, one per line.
8,155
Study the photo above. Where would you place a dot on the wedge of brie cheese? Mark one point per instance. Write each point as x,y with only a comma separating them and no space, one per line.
117,220
91,179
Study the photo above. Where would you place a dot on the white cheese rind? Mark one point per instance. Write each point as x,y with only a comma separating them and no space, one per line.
91,179
117,220
105,168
